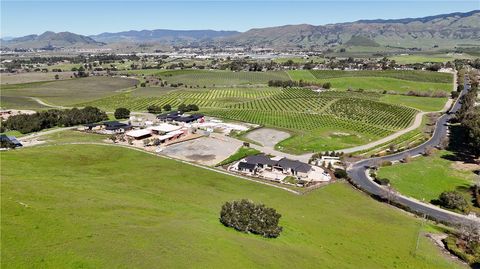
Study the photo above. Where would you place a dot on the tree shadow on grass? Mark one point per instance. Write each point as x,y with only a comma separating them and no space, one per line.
458,146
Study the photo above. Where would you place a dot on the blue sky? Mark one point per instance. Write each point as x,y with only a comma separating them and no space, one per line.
20,18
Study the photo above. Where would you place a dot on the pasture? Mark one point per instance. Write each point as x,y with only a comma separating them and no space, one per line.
62,93
427,177
7,78
426,104
80,206
389,80
214,78
425,58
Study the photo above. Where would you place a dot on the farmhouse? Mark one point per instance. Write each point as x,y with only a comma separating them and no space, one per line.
277,168
179,117
112,127
107,127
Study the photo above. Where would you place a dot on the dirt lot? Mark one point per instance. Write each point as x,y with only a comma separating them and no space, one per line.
205,150
267,137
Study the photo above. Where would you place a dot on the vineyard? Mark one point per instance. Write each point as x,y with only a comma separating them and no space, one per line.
299,110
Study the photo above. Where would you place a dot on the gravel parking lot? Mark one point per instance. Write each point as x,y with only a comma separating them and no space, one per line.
267,137
205,150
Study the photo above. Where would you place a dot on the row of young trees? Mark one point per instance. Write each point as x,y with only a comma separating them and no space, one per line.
300,83
154,109
47,119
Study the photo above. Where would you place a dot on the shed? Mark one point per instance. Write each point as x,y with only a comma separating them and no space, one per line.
139,134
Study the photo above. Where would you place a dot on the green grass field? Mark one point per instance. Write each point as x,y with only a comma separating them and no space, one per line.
66,92
82,206
390,80
427,177
426,104
435,58
210,78
7,78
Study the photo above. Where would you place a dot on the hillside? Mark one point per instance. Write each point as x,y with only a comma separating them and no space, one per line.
447,30
51,39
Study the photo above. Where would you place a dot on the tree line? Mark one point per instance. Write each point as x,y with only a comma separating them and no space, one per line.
469,118
300,83
25,123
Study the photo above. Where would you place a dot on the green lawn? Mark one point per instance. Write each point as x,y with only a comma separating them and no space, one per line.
325,139
427,177
65,92
84,206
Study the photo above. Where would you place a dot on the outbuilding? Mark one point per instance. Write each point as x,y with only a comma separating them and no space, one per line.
138,134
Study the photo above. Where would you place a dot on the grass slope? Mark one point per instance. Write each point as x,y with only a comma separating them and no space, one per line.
426,104
427,177
96,206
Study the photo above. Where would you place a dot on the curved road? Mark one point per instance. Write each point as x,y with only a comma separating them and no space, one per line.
358,172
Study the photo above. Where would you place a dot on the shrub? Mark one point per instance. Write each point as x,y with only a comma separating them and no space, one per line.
167,107
246,216
386,163
382,181
154,109
453,200
340,173
122,113
327,85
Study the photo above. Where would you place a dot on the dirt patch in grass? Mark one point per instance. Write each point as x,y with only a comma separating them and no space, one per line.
465,166
267,137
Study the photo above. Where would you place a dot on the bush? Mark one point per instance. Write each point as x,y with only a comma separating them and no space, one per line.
122,113
154,109
246,216
340,173
167,107
327,85
453,200
452,244
382,181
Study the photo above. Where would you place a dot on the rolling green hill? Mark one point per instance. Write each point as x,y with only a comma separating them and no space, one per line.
91,206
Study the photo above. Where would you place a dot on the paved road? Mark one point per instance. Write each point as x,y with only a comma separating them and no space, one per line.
359,174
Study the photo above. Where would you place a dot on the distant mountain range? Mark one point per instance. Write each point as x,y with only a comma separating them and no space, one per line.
163,36
444,31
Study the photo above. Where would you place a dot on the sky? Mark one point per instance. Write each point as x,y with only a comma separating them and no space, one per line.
19,18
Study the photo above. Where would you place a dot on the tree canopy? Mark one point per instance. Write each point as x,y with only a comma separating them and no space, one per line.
246,216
